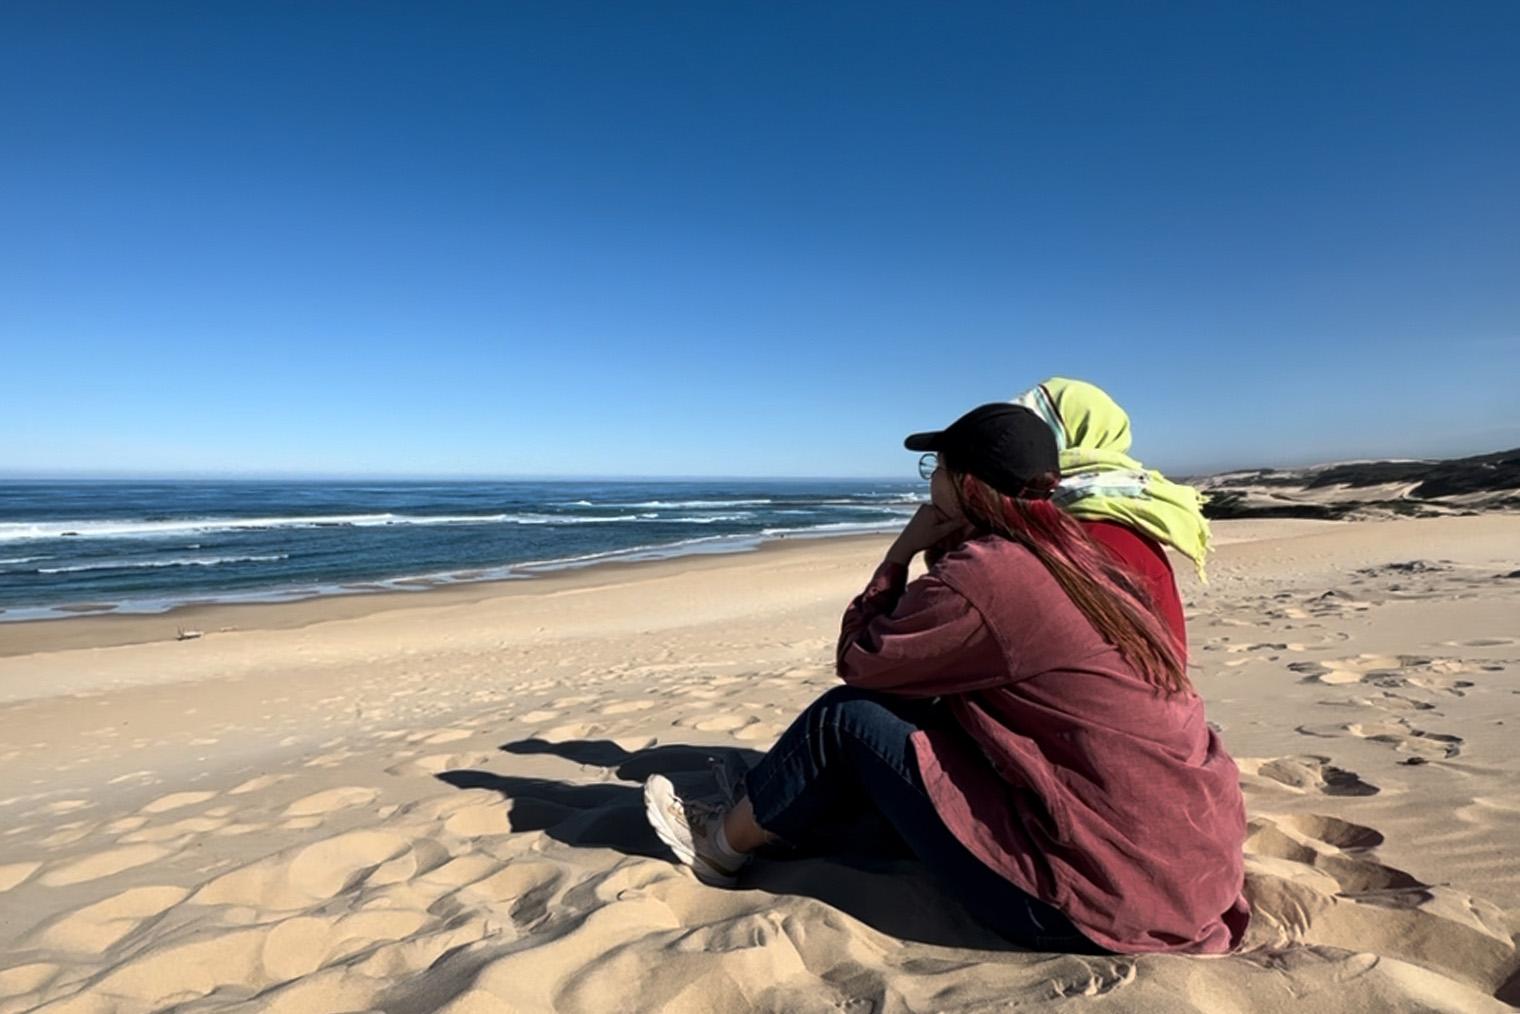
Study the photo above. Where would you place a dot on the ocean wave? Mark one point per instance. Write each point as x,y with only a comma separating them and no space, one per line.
193,561
23,559
666,504
99,529
92,529
876,504
658,549
15,531
834,528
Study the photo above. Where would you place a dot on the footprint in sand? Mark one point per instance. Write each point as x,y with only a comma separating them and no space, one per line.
1235,649
124,824
175,801
574,701
569,732
703,692
20,980
1397,702
1441,685
144,777
187,828
94,928
445,736
254,959
1391,672
487,818
257,784
101,864
523,888
433,764
1311,880
1350,670
306,875
15,874
626,707
1336,603
322,803
1304,773
758,732
1397,733
68,834
717,723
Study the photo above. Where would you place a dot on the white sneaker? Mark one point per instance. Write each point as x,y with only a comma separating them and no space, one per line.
688,827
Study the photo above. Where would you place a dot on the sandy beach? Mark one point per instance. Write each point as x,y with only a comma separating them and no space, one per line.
420,802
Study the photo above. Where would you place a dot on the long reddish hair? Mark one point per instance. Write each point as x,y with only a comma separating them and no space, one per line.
1087,572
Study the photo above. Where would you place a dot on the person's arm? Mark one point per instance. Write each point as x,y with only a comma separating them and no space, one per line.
918,640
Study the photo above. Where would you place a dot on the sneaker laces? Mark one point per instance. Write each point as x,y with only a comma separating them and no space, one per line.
701,817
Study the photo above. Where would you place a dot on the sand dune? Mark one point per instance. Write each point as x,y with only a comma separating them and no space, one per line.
1362,490
437,807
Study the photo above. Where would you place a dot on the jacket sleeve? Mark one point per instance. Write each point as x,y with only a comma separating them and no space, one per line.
918,640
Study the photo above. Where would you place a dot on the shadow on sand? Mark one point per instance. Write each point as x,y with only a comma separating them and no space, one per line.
891,894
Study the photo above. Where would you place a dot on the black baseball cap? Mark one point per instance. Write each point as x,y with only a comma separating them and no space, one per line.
1005,445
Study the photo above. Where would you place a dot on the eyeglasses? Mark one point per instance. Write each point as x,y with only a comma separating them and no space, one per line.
927,465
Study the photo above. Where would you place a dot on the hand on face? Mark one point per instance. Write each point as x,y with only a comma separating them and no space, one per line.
928,526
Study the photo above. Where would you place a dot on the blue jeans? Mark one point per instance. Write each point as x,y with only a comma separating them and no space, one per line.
849,754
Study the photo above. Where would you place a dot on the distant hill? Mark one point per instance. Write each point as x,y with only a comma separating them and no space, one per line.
1368,489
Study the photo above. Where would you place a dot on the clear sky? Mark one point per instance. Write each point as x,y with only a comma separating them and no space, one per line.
748,239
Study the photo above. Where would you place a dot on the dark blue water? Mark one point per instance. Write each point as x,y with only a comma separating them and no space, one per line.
69,547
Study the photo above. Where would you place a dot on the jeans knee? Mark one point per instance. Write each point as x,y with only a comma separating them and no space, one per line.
841,703
853,711
836,696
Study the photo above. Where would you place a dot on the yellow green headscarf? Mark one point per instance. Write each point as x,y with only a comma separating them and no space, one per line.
1100,481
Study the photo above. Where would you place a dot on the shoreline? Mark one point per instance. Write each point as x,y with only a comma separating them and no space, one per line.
115,629
111,630
99,630
710,545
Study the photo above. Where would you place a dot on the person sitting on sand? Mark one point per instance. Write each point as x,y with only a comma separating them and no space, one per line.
1130,510
1017,715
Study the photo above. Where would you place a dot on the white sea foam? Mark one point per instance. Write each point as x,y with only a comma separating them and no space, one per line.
17,531
666,504
688,504
661,550
14,531
878,505
196,561
834,528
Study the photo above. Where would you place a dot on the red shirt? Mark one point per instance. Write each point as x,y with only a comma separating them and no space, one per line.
1064,771
1146,561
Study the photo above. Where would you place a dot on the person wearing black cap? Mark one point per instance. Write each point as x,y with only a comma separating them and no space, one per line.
1004,445
1018,715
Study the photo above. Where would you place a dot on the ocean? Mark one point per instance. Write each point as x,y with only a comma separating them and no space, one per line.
77,547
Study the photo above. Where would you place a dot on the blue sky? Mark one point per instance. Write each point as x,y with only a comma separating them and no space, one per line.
748,239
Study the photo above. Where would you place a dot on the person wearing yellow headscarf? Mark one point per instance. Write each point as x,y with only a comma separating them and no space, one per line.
1101,482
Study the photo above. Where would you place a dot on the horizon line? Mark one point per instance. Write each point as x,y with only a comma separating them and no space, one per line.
276,475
